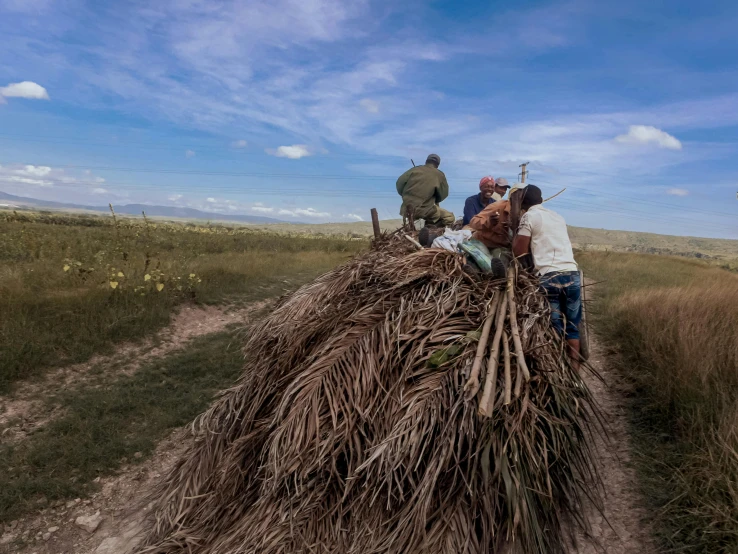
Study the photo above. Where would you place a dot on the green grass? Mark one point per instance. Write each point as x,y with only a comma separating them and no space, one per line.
674,323
57,273
106,423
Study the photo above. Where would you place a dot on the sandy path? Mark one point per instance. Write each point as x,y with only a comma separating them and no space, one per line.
24,410
119,501
621,528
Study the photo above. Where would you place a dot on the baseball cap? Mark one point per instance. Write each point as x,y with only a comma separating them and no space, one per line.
484,180
501,182
516,186
435,158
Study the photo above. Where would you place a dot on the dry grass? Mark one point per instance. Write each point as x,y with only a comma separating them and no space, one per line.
353,429
676,323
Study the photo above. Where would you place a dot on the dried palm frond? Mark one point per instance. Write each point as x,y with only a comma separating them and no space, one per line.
350,431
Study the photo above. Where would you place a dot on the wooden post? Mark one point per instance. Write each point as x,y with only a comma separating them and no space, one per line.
524,173
375,223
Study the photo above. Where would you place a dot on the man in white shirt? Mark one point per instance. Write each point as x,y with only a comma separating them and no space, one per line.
543,233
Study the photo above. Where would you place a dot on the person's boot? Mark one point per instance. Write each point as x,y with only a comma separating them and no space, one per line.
428,234
572,347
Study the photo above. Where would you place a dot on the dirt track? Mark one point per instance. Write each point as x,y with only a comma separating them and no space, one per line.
619,530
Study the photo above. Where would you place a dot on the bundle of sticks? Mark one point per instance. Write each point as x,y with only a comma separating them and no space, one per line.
373,417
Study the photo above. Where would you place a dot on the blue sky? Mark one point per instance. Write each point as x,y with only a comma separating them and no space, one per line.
309,109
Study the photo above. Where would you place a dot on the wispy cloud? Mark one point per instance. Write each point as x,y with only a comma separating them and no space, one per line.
18,178
25,89
371,106
645,134
677,192
355,217
239,144
189,154
294,152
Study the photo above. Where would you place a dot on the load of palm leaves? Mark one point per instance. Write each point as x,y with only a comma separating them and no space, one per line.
398,404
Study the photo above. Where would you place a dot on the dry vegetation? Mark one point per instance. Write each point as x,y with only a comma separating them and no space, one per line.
71,286
356,425
675,322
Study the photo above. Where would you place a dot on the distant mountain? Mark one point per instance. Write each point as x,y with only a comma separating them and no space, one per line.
9,200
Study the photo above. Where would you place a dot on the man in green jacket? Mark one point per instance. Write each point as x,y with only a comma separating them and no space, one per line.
423,188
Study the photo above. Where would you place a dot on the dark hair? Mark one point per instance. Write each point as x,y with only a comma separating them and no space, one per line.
532,196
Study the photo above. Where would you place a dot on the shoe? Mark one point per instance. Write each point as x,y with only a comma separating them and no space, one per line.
498,268
427,235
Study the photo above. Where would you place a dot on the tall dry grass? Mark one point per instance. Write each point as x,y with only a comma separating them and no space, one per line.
676,324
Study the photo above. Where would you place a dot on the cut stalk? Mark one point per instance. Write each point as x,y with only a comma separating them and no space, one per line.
484,409
472,385
514,327
508,379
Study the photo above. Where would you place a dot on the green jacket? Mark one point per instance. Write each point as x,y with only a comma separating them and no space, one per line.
422,187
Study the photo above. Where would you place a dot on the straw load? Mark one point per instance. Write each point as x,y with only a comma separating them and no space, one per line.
397,404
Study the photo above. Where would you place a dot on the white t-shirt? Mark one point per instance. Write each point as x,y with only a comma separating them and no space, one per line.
549,240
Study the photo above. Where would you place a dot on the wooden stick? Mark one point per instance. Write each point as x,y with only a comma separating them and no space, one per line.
514,326
375,223
506,355
518,377
491,379
415,242
555,195
472,385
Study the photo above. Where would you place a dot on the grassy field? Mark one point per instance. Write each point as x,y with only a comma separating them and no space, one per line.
72,286
108,423
675,324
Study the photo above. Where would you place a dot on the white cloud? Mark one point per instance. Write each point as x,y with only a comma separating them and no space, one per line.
239,144
99,191
28,181
286,212
175,197
26,89
212,200
678,192
644,134
372,106
355,217
189,153
294,152
310,212
35,170
262,209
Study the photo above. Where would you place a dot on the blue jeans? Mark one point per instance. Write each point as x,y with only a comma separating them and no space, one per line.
564,293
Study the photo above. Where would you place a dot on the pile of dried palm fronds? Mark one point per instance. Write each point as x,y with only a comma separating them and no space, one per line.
372,417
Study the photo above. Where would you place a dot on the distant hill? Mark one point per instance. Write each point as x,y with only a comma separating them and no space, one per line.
581,237
11,201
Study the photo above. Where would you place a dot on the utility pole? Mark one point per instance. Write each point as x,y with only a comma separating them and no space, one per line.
524,172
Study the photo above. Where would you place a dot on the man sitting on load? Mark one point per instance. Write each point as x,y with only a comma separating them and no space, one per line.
543,233
490,190
491,226
423,188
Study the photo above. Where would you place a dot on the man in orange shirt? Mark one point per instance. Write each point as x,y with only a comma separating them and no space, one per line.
491,226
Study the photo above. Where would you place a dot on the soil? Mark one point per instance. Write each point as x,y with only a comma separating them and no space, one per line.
619,529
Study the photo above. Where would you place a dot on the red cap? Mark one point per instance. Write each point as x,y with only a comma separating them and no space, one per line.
485,180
